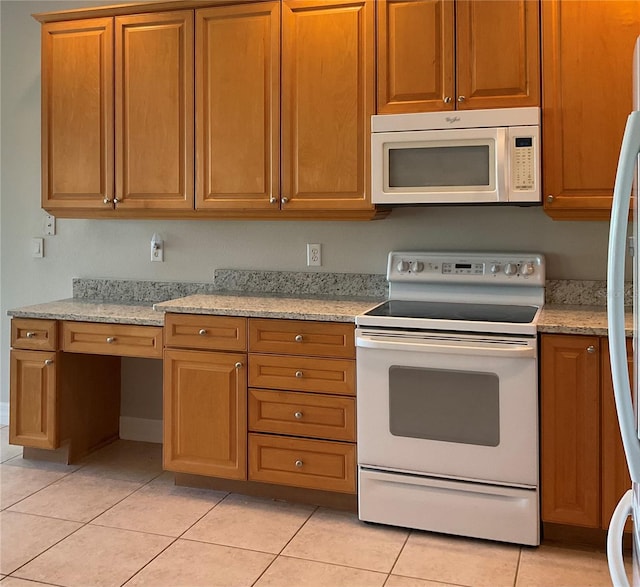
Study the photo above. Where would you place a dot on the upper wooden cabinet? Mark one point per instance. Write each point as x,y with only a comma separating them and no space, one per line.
457,54
262,112
117,113
587,50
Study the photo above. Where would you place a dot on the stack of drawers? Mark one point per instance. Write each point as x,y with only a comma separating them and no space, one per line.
302,404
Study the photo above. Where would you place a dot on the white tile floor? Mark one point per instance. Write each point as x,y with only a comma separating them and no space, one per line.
117,519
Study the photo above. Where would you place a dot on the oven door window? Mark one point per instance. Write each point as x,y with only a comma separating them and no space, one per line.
450,406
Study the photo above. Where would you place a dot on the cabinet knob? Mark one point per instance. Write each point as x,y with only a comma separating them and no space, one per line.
31,334
298,337
550,199
591,349
106,201
298,415
447,100
202,332
298,374
461,98
48,362
111,339
273,200
299,464
116,201
238,365
284,200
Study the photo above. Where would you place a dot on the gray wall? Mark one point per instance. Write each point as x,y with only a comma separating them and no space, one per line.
105,248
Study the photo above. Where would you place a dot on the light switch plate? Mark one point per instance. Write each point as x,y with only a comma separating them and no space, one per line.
37,247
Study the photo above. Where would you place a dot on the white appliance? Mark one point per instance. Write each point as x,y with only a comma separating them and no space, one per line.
626,176
447,396
463,157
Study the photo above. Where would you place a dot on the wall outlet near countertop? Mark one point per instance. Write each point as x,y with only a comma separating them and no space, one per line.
314,255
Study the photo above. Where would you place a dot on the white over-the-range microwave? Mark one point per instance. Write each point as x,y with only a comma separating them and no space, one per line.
456,157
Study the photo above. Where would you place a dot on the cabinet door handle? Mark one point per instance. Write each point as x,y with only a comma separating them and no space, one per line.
298,374
116,201
284,200
202,332
48,362
238,365
106,201
298,337
111,339
591,349
447,99
31,334
273,200
299,464
298,415
550,199
461,98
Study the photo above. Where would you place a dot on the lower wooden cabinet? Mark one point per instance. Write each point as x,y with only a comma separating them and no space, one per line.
205,413
33,399
584,472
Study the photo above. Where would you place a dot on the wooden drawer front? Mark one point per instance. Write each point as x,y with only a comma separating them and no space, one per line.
300,337
303,374
34,334
302,414
314,464
121,340
194,331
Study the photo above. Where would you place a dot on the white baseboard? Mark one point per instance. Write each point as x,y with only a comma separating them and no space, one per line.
140,429
4,413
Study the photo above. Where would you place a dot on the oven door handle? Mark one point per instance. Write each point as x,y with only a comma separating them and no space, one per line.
455,348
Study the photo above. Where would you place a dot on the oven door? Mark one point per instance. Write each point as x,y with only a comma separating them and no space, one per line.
459,406
439,166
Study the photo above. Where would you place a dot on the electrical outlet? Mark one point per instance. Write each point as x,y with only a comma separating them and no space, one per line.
314,255
49,225
157,249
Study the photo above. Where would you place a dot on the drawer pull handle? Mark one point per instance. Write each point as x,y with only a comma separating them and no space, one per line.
298,337
298,415
299,464
298,374
238,365
48,362
31,334
111,339
202,332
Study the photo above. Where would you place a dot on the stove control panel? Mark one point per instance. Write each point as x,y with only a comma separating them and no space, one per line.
526,269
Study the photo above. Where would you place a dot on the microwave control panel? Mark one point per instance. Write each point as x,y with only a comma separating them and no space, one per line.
523,173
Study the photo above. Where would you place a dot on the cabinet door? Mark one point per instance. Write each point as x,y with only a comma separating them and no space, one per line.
205,413
587,50
570,430
154,111
415,55
238,107
77,114
33,403
327,103
615,474
497,53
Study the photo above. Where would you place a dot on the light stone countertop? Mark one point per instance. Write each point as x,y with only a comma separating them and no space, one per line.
260,306
574,319
86,310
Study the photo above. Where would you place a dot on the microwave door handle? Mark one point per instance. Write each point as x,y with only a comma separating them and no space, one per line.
503,163
615,292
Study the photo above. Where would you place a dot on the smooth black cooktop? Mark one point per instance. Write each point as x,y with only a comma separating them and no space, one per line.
451,311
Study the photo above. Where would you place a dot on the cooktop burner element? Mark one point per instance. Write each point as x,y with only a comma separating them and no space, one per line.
461,291
448,311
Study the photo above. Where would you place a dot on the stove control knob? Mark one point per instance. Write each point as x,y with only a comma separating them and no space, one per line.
527,269
495,268
510,269
417,266
403,266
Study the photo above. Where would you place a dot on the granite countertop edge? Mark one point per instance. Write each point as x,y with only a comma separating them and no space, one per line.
554,318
